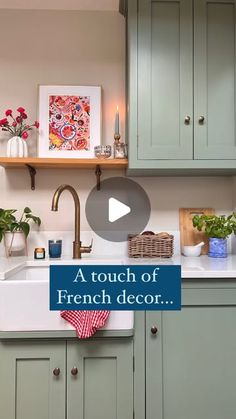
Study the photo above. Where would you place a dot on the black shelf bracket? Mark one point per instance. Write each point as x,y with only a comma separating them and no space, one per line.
32,173
98,173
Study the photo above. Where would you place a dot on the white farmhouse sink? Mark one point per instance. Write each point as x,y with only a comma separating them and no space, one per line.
24,302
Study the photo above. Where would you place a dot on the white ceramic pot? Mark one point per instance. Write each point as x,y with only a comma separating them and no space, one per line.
17,147
15,241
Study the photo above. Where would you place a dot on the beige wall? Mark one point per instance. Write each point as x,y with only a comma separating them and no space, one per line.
62,47
49,47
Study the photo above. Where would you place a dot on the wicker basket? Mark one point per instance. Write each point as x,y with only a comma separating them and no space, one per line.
150,246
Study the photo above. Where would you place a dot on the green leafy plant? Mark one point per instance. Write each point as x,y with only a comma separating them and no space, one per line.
219,227
8,221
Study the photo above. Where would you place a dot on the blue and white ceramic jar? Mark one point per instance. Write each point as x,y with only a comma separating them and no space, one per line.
217,248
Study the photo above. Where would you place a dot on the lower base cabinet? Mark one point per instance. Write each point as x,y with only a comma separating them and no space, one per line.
103,386
66,380
191,356
28,387
185,366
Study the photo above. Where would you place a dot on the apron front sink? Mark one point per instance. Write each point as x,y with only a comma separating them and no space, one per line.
24,303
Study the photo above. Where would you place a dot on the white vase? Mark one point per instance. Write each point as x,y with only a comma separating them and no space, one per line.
14,242
17,147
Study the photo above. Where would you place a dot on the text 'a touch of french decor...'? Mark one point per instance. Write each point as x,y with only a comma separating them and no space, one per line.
115,287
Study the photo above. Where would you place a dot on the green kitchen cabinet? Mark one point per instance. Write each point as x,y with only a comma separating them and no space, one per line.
190,369
29,388
165,93
66,380
103,386
181,85
214,79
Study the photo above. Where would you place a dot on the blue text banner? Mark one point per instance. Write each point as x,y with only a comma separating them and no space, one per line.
115,287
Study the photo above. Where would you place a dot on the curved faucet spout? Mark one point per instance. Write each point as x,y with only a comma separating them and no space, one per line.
55,200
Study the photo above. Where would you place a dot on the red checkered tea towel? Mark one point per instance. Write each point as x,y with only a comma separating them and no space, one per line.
85,322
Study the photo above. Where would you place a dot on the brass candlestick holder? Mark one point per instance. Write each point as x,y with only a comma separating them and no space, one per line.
120,149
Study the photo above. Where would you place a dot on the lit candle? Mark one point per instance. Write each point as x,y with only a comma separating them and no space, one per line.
117,130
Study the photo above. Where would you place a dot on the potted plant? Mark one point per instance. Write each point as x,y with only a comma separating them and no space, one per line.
18,127
15,231
218,229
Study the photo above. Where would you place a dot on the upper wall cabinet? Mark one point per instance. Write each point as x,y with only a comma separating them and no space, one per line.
165,93
214,80
181,85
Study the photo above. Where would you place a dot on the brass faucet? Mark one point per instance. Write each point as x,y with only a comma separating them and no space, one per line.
77,248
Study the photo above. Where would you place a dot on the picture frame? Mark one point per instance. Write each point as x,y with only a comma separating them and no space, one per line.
70,121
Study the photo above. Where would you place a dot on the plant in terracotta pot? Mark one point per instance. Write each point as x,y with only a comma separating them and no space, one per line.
18,128
218,228
15,231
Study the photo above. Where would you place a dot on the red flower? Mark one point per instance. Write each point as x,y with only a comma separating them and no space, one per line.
8,112
3,122
21,110
25,135
36,124
24,116
18,119
14,124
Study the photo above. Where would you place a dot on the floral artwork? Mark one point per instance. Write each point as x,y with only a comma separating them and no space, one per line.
69,122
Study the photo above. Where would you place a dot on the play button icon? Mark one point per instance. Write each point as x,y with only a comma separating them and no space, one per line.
117,210
120,208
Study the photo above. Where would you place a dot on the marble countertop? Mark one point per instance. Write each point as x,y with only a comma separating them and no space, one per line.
192,267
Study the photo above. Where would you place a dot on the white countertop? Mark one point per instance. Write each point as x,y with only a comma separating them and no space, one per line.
192,267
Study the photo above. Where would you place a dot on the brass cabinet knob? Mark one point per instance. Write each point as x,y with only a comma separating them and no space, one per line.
56,372
74,371
187,120
201,119
154,330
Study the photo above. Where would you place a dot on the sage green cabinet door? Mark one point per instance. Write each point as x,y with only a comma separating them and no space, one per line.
103,386
214,79
28,387
165,85
190,363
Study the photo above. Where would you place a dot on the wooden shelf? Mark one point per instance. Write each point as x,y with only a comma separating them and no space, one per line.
49,163
33,163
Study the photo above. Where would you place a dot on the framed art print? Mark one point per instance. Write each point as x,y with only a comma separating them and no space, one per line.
70,121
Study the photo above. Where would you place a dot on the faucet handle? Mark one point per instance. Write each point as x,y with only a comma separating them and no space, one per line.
86,249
